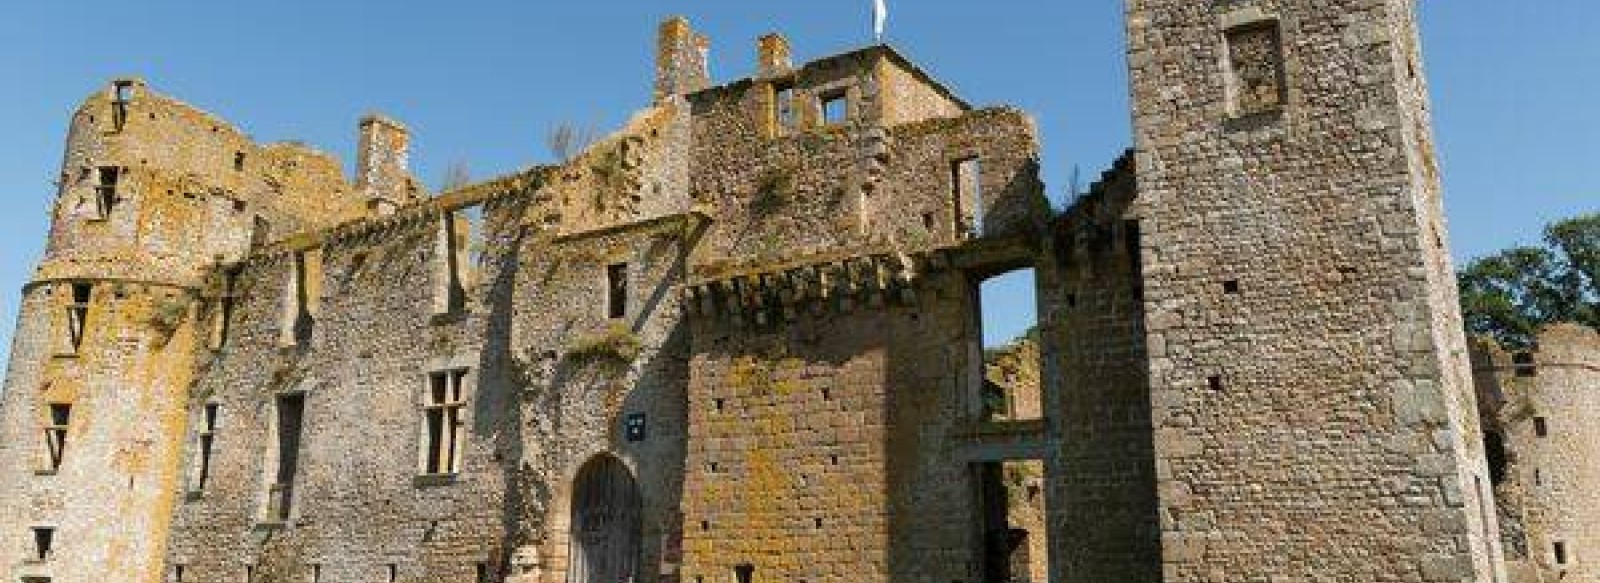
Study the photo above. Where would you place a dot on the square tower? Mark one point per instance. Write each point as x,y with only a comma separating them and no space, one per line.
1311,397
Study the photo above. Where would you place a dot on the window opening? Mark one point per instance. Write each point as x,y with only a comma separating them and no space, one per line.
744,573
55,433
44,539
122,93
617,290
291,411
783,105
238,161
105,190
443,418
78,315
452,295
206,444
1525,364
966,191
835,108
1561,552
1541,427
1007,331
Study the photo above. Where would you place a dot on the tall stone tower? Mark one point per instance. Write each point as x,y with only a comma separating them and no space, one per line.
1312,398
154,195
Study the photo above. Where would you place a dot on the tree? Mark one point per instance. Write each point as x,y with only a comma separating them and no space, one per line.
566,140
1508,296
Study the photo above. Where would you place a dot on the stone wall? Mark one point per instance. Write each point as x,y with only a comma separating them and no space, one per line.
1309,388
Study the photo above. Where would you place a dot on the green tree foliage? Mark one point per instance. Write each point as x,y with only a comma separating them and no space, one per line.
1509,295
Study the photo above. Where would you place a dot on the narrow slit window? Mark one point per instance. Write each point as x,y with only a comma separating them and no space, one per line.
966,193
744,573
1541,427
238,161
443,423
44,539
105,190
1257,81
1560,549
617,291
55,434
205,444
291,413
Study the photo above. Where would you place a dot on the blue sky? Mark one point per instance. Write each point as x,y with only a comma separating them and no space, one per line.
1515,85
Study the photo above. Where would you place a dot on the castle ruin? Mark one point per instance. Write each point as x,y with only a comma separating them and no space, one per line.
739,341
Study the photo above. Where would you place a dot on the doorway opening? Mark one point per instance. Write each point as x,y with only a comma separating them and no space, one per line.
606,523
1013,521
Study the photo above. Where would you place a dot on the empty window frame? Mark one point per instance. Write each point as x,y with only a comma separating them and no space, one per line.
121,94
783,117
44,539
450,295
835,107
205,445
55,433
108,178
617,291
1256,75
966,194
443,423
78,315
1559,549
1541,427
280,494
1010,387
300,295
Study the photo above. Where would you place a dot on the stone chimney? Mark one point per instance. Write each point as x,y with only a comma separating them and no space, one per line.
680,59
383,165
774,56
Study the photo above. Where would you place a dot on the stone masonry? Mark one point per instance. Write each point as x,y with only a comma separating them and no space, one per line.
739,340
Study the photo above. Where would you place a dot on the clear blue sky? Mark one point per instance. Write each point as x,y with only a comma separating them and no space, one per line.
1515,84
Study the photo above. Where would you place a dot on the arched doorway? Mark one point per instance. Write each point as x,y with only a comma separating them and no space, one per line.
605,537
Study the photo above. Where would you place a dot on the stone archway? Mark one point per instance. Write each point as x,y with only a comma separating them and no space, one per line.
606,524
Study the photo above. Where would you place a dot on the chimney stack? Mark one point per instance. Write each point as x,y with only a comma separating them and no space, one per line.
383,165
680,59
774,56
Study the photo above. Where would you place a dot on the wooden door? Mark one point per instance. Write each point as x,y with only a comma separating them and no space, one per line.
605,537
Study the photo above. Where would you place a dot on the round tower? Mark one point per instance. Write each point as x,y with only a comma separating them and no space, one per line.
153,194
1544,433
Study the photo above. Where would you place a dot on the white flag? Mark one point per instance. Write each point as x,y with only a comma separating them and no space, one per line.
880,15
